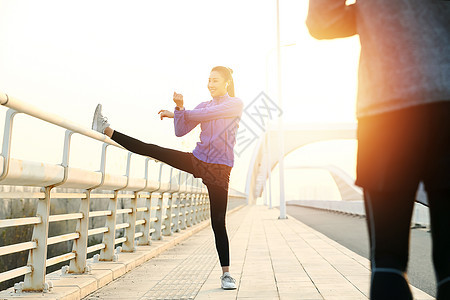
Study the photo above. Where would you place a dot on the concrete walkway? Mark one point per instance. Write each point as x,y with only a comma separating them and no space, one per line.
270,259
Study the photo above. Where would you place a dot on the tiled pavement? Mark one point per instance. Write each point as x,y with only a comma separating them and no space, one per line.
270,259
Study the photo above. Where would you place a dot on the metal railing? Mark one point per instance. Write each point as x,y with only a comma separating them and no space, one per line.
172,201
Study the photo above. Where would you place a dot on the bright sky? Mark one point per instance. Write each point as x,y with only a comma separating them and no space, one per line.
67,56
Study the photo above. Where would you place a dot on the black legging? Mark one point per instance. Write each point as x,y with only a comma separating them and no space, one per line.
388,216
218,196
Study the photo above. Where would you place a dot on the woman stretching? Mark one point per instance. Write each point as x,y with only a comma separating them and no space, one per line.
212,158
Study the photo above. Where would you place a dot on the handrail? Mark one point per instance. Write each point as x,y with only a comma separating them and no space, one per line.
33,111
34,280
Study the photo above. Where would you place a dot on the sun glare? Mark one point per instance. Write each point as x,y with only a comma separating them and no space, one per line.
319,80
132,57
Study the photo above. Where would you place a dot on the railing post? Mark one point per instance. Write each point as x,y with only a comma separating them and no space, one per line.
182,204
78,264
7,137
203,207
188,206
201,210
130,231
160,214
176,204
195,209
181,201
145,238
107,253
200,204
168,200
160,211
154,200
176,212
191,206
186,202
37,258
208,209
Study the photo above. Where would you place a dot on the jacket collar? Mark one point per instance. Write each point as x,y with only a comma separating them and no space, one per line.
220,98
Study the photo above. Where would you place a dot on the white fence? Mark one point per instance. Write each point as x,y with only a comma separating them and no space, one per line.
171,201
420,213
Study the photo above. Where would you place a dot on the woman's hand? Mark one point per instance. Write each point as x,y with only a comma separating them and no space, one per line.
165,113
178,99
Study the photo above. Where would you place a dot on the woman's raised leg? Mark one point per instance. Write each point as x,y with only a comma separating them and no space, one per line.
177,159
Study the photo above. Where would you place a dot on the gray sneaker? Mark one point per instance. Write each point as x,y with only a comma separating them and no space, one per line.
228,282
100,122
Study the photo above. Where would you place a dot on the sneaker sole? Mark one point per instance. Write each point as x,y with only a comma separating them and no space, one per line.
98,110
228,288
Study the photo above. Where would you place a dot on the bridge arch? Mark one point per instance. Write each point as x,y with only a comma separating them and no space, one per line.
295,136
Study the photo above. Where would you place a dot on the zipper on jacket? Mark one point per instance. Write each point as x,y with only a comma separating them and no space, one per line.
209,145
226,141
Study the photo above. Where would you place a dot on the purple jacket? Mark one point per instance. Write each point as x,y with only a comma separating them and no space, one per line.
219,121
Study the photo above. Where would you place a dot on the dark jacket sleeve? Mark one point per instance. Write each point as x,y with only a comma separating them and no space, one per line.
329,19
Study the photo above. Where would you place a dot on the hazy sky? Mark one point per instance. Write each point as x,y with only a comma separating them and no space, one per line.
67,56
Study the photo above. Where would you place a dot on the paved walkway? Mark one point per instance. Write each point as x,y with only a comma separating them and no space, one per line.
270,259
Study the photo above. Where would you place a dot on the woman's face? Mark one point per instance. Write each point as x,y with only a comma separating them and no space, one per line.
217,85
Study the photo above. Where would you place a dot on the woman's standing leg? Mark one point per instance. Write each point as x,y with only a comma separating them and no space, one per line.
218,198
218,195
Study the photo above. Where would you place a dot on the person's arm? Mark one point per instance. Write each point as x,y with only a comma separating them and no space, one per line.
183,126
329,19
228,109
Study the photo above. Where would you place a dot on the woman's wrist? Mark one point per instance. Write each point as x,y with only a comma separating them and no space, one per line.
179,107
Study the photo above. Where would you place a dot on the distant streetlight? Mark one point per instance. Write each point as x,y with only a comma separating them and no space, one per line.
267,143
280,121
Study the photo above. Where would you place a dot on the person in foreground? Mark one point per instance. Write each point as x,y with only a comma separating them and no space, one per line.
403,112
213,157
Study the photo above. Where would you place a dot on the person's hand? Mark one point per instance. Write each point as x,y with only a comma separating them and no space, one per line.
178,99
165,114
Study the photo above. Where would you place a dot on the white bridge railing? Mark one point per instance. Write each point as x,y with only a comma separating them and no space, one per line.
172,200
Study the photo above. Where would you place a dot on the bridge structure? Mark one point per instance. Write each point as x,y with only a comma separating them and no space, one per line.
140,219
267,152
